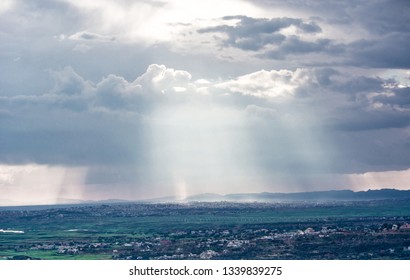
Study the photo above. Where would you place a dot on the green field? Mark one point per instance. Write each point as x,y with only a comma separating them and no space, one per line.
117,225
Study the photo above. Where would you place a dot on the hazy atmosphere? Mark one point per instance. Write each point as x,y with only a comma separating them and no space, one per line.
135,99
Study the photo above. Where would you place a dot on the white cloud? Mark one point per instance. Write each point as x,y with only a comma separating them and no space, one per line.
266,84
69,82
6,5
160,78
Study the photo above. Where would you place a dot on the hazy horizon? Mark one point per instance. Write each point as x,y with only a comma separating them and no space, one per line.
199,197
145,98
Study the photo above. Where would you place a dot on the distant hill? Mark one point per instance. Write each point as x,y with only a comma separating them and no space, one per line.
342,195
60,201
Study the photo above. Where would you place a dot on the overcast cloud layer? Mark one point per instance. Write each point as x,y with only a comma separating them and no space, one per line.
140,99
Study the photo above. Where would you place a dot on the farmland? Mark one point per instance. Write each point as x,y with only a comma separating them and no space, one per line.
376,229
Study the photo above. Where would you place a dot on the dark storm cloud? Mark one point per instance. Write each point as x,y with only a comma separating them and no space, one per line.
359,103
389,51
399,97
384,25
219,113
337,102
382,17
363,122
28,46
293,45
263,35
379,16
79,122
363,103
73,147
256,33
374,150
298,121
66,131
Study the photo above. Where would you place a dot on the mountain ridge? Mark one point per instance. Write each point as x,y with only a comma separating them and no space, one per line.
336,195
331,195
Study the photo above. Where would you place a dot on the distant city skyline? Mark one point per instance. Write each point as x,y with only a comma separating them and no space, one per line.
139,99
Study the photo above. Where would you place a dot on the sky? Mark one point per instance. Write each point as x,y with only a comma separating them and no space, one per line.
136,99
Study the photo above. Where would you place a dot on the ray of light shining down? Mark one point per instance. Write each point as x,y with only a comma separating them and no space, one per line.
5,5
41,184
155,21
200,147
137,99
287,142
